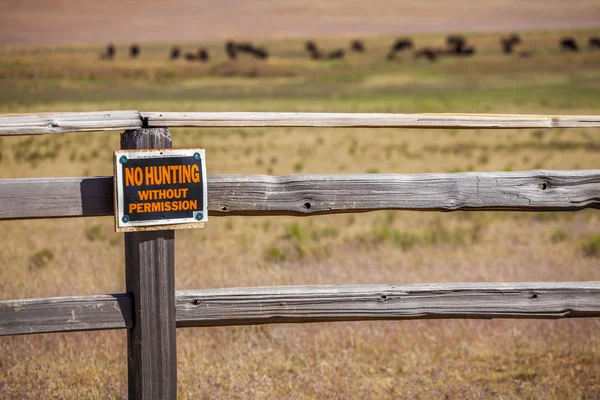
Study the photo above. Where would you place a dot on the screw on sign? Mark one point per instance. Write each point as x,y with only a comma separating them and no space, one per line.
160,189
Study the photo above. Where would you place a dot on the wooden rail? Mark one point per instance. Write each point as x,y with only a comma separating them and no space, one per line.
38,124
371,120
300,304
65,314
324,194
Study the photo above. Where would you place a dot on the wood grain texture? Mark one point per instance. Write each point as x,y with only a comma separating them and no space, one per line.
260,305
40,124
65,314
327,194
352,303
324,194
56,197
370,120
150,280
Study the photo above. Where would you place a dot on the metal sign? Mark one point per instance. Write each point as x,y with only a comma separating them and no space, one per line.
160,189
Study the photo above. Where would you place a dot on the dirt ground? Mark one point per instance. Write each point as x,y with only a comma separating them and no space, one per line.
54,22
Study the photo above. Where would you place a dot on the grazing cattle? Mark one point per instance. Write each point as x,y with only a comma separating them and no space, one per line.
398,46
456,44
190,57
509,43
568,44
515,38
109,53
175,53
259,52
594,42
428,53
314,51
403,44
335,54
317,54
203,55
310,46
234,48
134,51
357,46
230,49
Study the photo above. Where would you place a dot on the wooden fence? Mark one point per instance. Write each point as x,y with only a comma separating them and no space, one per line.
152,309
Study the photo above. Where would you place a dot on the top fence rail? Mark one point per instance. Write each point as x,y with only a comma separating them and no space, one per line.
41,124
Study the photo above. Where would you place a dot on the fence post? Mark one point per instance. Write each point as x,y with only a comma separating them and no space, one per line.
150,276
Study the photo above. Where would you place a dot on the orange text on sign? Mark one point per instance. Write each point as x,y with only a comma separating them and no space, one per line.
162,175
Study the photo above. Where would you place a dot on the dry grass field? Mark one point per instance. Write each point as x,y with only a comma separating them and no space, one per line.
452,359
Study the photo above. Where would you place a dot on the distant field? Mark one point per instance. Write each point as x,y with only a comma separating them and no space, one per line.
57,22
411,359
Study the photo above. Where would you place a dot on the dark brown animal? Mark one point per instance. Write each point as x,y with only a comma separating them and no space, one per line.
400,45
317,54
335,54
134,51
569,44
175,53
594,42
260,52
310,46
403,44
456,44
313,50
230,49
109,53
203,55
509,43
357,46
234,48
428,53
190,57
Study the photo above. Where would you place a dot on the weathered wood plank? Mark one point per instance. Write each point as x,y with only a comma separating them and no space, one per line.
40,124
353,303
370,120
150,279
327,194
64,314
259,305
324,194
56,197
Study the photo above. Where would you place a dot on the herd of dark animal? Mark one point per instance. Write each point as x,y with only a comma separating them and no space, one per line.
456,45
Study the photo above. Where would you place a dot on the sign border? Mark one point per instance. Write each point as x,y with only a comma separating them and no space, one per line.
163,224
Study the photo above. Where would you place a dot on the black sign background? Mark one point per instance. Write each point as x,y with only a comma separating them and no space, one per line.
130,193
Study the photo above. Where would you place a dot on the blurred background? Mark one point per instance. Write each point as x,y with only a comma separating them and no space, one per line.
506,56
54,22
